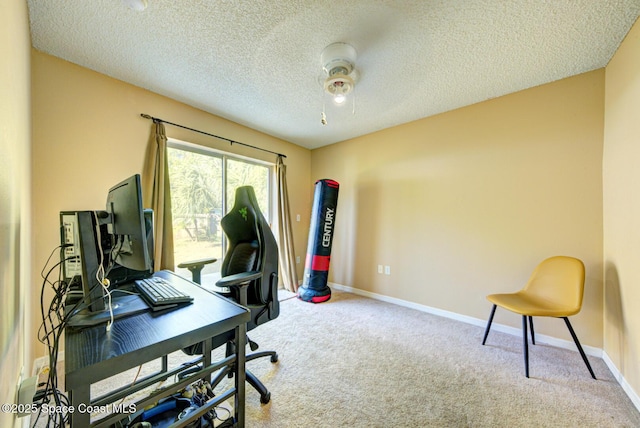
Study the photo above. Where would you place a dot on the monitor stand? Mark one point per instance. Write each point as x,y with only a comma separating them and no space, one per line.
123,306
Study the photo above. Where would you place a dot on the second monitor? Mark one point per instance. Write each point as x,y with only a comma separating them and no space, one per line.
105,249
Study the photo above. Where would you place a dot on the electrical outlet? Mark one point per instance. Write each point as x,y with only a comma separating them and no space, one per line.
379,268
297,217
297,259
387,270
26,391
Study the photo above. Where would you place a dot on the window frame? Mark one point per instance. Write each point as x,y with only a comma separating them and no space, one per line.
225,156
174,143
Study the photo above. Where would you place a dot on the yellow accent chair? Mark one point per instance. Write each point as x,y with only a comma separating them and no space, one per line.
554,289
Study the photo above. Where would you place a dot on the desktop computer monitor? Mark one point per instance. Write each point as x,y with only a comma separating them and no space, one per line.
127,226
106,249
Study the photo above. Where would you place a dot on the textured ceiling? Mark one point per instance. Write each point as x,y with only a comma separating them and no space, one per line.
257,62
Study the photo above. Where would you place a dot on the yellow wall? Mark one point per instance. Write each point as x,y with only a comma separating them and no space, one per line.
15,235
621,177
88,135
466,203
459,205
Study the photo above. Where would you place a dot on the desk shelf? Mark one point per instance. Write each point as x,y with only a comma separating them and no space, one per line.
93,354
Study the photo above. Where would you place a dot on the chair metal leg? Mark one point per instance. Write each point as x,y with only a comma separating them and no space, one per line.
533,336
252,380
486,331
575,339
219,377
265,395
272,354
526,345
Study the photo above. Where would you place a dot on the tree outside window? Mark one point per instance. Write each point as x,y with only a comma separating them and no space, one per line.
203,187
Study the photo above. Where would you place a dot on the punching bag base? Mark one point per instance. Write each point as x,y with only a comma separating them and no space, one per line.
314,296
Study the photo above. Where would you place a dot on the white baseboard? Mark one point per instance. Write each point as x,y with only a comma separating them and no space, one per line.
554,341
633,396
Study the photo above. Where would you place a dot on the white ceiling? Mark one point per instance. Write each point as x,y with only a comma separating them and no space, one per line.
257,62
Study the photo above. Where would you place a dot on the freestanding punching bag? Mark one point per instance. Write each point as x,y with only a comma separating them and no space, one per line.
316,267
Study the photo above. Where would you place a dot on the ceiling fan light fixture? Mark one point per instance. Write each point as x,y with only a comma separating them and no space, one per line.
338,58
339,86
338,63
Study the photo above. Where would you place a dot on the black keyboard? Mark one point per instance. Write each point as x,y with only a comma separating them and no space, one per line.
160,294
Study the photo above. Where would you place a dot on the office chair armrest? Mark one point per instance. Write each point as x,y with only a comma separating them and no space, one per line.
195,263
240,282
196,266
238,279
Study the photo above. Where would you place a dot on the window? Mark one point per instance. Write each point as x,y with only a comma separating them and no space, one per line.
203,183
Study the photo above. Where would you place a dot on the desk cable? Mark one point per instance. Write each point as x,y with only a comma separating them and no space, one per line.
49,333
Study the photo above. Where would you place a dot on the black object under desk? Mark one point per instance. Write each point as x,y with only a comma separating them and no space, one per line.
93,354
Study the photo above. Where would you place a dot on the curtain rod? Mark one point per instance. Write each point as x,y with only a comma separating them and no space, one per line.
232,142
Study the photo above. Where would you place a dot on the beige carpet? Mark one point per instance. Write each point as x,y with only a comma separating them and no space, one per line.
358,362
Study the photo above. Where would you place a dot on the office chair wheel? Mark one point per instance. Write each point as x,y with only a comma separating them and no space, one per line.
274,358
265,398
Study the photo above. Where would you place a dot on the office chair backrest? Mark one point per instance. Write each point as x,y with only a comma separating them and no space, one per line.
252,247
559,279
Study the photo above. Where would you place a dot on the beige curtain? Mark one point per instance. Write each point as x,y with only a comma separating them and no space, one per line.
288,271
156,195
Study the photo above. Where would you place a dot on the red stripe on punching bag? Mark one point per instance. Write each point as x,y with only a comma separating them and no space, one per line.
320,299
319,263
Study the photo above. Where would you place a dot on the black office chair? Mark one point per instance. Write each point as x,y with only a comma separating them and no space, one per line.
250,274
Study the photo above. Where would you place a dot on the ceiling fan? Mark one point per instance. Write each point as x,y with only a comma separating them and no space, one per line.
340,75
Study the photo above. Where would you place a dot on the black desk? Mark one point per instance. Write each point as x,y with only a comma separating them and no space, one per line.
93,354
